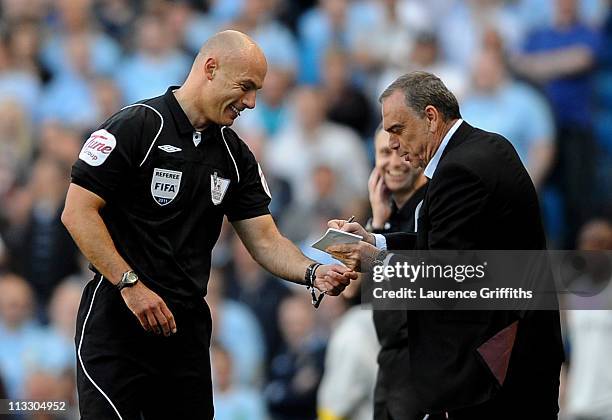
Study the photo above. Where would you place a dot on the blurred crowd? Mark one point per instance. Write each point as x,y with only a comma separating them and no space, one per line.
538,72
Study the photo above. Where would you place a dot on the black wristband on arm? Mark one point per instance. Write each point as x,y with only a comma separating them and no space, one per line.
309,277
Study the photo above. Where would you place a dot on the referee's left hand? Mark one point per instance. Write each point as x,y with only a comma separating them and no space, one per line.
333,279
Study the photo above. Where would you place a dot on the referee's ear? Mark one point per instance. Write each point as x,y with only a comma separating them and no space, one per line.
210,67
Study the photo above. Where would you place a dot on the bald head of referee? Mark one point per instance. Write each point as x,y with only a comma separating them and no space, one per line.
226,74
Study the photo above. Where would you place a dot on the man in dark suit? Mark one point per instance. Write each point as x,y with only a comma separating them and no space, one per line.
463,364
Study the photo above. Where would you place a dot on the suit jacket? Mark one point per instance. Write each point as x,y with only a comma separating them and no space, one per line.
480,198
390,324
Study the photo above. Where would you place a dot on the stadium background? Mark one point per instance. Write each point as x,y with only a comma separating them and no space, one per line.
537,71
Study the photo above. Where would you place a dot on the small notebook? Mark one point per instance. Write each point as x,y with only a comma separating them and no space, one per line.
334,237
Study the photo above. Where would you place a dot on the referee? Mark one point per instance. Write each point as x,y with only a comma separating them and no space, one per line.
147,200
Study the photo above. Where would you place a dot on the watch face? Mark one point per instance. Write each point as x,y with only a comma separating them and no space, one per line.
131,277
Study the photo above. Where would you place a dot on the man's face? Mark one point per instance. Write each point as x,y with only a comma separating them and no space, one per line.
310,106
408,133
397,174
234,87
488,71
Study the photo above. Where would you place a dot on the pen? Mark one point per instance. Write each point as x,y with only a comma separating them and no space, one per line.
350,219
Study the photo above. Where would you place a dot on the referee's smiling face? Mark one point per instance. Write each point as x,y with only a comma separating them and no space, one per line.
236,80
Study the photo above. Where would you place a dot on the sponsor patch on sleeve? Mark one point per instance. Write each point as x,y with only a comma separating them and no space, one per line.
98,147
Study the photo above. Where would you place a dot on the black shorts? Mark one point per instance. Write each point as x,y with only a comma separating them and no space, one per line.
124,372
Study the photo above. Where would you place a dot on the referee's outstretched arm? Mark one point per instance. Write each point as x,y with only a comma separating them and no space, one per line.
281,257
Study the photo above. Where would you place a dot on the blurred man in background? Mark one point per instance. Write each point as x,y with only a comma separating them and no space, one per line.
589,395
515,110
396,192
395,189
296,372
559,58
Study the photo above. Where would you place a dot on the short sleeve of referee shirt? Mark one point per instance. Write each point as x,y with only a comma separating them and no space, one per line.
251,197
114,150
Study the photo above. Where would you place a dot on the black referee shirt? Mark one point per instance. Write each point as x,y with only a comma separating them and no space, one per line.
167,188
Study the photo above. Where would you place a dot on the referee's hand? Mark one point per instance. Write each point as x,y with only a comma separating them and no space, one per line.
333,279
149,308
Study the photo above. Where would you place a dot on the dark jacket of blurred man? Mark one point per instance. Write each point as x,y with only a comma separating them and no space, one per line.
395,191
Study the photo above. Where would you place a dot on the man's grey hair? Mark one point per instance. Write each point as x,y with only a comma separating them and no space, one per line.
422,89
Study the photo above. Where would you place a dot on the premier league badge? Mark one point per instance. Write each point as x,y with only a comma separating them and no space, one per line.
165,185
218,187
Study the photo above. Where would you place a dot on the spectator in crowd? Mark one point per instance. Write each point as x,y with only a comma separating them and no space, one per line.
603,117
272,106
63,307
52,374
190,24
24,42
333,23
589,390
108,97
44,386
16,145
74,20
302,221
69,97
347,386
233,402
116,18
14,10
19,80
276,41
425,55
20,335
283,195
314,221
606,54
515,110
155,63
461,30
389,39
261,293
295,373
59,141
559,58
42,250
236,328
225,11
309,140
539,13
281,51
346,103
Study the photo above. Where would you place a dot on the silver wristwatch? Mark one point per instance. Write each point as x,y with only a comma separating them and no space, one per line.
128,279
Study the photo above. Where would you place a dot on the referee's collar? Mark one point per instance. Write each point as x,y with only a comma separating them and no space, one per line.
184,125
